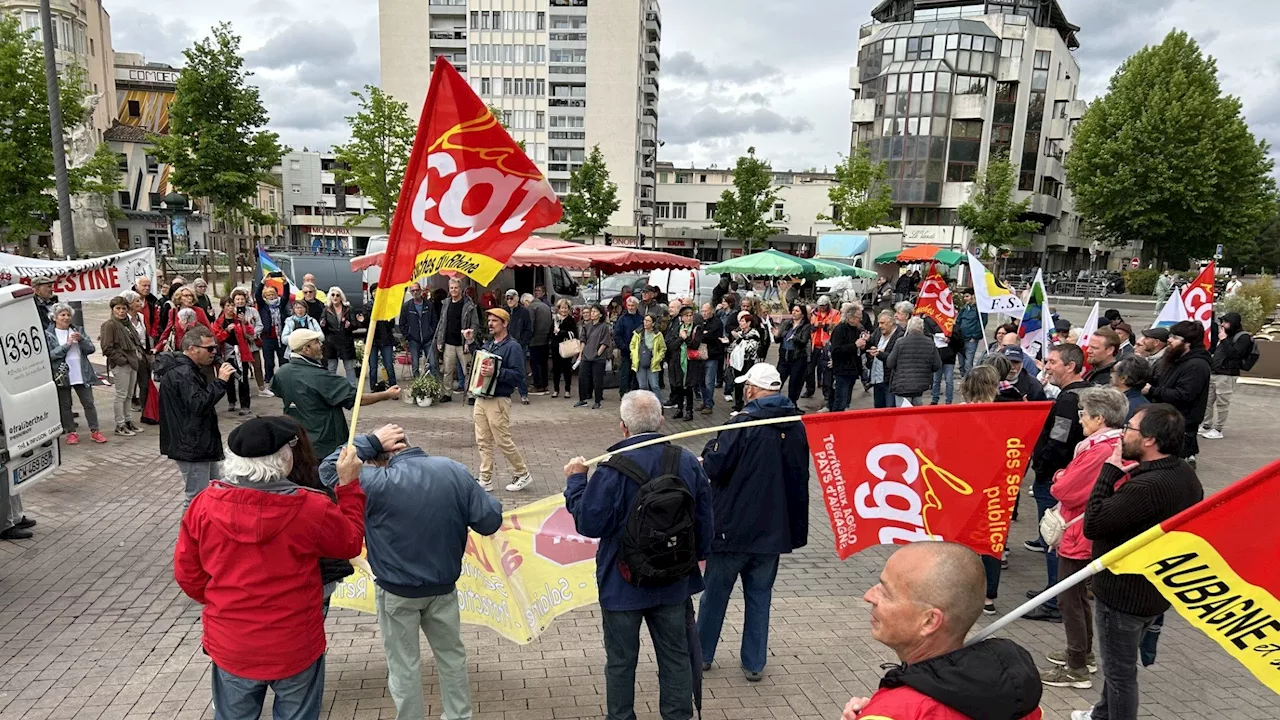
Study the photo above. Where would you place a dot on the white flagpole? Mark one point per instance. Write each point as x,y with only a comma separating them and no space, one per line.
1078,577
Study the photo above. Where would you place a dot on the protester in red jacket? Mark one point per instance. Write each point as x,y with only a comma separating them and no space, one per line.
930,595
248,550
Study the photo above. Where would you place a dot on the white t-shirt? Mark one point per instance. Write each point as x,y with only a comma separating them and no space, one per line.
74,360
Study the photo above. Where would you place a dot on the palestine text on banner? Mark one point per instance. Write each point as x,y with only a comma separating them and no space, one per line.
97,278
906,474
1215,562
470,195
515,582
936,302
992,295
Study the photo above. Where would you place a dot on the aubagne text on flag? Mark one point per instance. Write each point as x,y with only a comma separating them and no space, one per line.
1215,562
905,475
470,195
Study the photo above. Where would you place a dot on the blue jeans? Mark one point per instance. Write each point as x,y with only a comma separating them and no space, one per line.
970,352
883,398
348,367
758,571
622,651
842,394
948,375
387,355
709,385
297,697
417,351
648,380
1044,501
1119,637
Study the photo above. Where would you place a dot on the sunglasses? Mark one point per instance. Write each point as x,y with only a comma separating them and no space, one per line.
209,348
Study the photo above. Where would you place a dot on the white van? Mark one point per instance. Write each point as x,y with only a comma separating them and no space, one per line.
28,396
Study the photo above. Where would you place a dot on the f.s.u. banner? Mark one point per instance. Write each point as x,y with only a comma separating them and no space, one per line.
470,195
930,473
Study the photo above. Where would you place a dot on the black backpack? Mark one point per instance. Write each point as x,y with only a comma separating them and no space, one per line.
659,545
1249,360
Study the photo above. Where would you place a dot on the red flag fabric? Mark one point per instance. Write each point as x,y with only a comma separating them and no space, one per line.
470,195
904,475
936,302
1215,562
1198,299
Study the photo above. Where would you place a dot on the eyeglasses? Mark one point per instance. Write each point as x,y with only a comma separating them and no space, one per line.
208,348
1129,427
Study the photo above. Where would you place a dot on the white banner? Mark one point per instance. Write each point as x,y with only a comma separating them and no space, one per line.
992,295
93,279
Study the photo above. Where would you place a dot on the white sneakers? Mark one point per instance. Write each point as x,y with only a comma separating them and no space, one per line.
487,485
1082,714
1212,435
520,483
266,392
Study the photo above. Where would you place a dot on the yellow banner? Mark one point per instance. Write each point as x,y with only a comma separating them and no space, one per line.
515,582
480,268
1243,618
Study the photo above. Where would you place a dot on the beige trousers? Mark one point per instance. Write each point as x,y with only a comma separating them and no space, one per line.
493,427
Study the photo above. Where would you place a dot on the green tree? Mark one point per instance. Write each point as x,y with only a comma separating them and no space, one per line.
861,197
1253,254
991,214
744,211
216,146
382,136
1165,158
26,153
592,198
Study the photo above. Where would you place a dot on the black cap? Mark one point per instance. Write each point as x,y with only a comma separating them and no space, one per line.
261,437
1062,325
1157,333
1013,352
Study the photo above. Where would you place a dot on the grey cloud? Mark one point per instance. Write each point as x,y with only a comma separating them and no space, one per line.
710,122
302,43
685,65
156,38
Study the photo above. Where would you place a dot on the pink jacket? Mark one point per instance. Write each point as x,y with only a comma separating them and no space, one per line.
1073,484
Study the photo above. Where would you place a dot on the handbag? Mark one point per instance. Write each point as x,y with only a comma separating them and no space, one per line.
1053,527
738,356
570,347
699,354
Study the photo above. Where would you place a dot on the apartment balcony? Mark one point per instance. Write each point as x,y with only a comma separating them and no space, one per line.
1046,205
567,102
969,107
1057,129
862,111
448,7
449,38
649,112
855,78
1009,69
1052,165
653,23
866,30
651,58
1076,109
649,119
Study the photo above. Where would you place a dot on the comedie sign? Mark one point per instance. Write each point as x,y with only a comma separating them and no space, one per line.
92,279
534,569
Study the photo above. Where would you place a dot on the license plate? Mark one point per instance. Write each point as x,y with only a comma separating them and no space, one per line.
34,466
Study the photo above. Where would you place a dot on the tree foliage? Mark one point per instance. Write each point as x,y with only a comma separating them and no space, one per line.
382,136
592,198
991,213
1260,253
743,213
1165,158
216,146
861,196
26,152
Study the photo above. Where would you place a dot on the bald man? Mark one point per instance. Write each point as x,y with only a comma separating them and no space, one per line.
929,596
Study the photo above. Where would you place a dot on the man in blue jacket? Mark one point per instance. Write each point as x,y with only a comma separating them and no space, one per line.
971,324
418,509
600,509
760,493
627,324
418,328
492,415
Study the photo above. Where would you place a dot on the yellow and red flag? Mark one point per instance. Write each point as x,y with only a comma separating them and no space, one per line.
1216,563
470,195
936,301
905,475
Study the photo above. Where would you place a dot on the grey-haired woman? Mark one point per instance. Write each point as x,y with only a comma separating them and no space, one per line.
69,349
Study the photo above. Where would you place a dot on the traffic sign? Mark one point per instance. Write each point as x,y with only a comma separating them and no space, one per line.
1217,254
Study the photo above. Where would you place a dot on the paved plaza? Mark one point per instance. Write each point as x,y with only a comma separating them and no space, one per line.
92,624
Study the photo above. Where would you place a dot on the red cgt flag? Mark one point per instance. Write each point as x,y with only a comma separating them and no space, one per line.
470,195
1198,299
936,301
904,475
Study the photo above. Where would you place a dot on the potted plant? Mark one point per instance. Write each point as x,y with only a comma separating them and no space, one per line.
425,389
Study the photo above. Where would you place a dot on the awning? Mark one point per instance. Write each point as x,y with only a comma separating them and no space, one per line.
611,260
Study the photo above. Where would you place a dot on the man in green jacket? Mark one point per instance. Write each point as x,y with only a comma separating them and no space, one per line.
316,397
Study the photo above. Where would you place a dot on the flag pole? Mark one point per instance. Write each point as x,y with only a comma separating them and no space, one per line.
364,371
694,433
1088,571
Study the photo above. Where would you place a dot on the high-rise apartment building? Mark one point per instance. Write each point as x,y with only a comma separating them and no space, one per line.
942,85
567,74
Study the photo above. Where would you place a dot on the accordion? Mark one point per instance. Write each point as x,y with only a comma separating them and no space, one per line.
480,386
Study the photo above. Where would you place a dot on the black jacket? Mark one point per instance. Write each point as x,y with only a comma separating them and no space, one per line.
1061,433
1029,387
384,334
521,325
712,331
914,360
846,358
760,481
315,308
803,340
1230,353
1100,376
1184,384
995,679
188,410
339,335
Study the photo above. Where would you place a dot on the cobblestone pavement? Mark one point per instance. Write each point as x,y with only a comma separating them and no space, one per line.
93,626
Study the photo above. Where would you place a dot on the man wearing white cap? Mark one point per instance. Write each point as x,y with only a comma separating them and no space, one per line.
316,397
760,499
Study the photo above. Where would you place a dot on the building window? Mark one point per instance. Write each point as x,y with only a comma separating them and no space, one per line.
683,178
475,20
664,177
135,109
541,121
486,22
1060,109
662,210
779,213
1043,59
711,209
497,19
297,189
91,50
123,197
560,187
679,211
542,21
971,85
837,213
486,86
702,178
966,148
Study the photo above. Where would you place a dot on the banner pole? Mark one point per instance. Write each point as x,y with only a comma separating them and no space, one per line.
694,433
364,374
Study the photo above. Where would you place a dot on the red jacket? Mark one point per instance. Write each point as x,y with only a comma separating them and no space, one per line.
1073,484
250,555
905,703
238,333
174,328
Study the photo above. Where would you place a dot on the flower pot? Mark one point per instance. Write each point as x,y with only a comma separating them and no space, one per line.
424,402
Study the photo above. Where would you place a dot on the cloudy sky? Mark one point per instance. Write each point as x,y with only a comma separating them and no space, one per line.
735,72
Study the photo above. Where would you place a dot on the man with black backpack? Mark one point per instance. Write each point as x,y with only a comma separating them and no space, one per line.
1235,351
760,493
651,509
